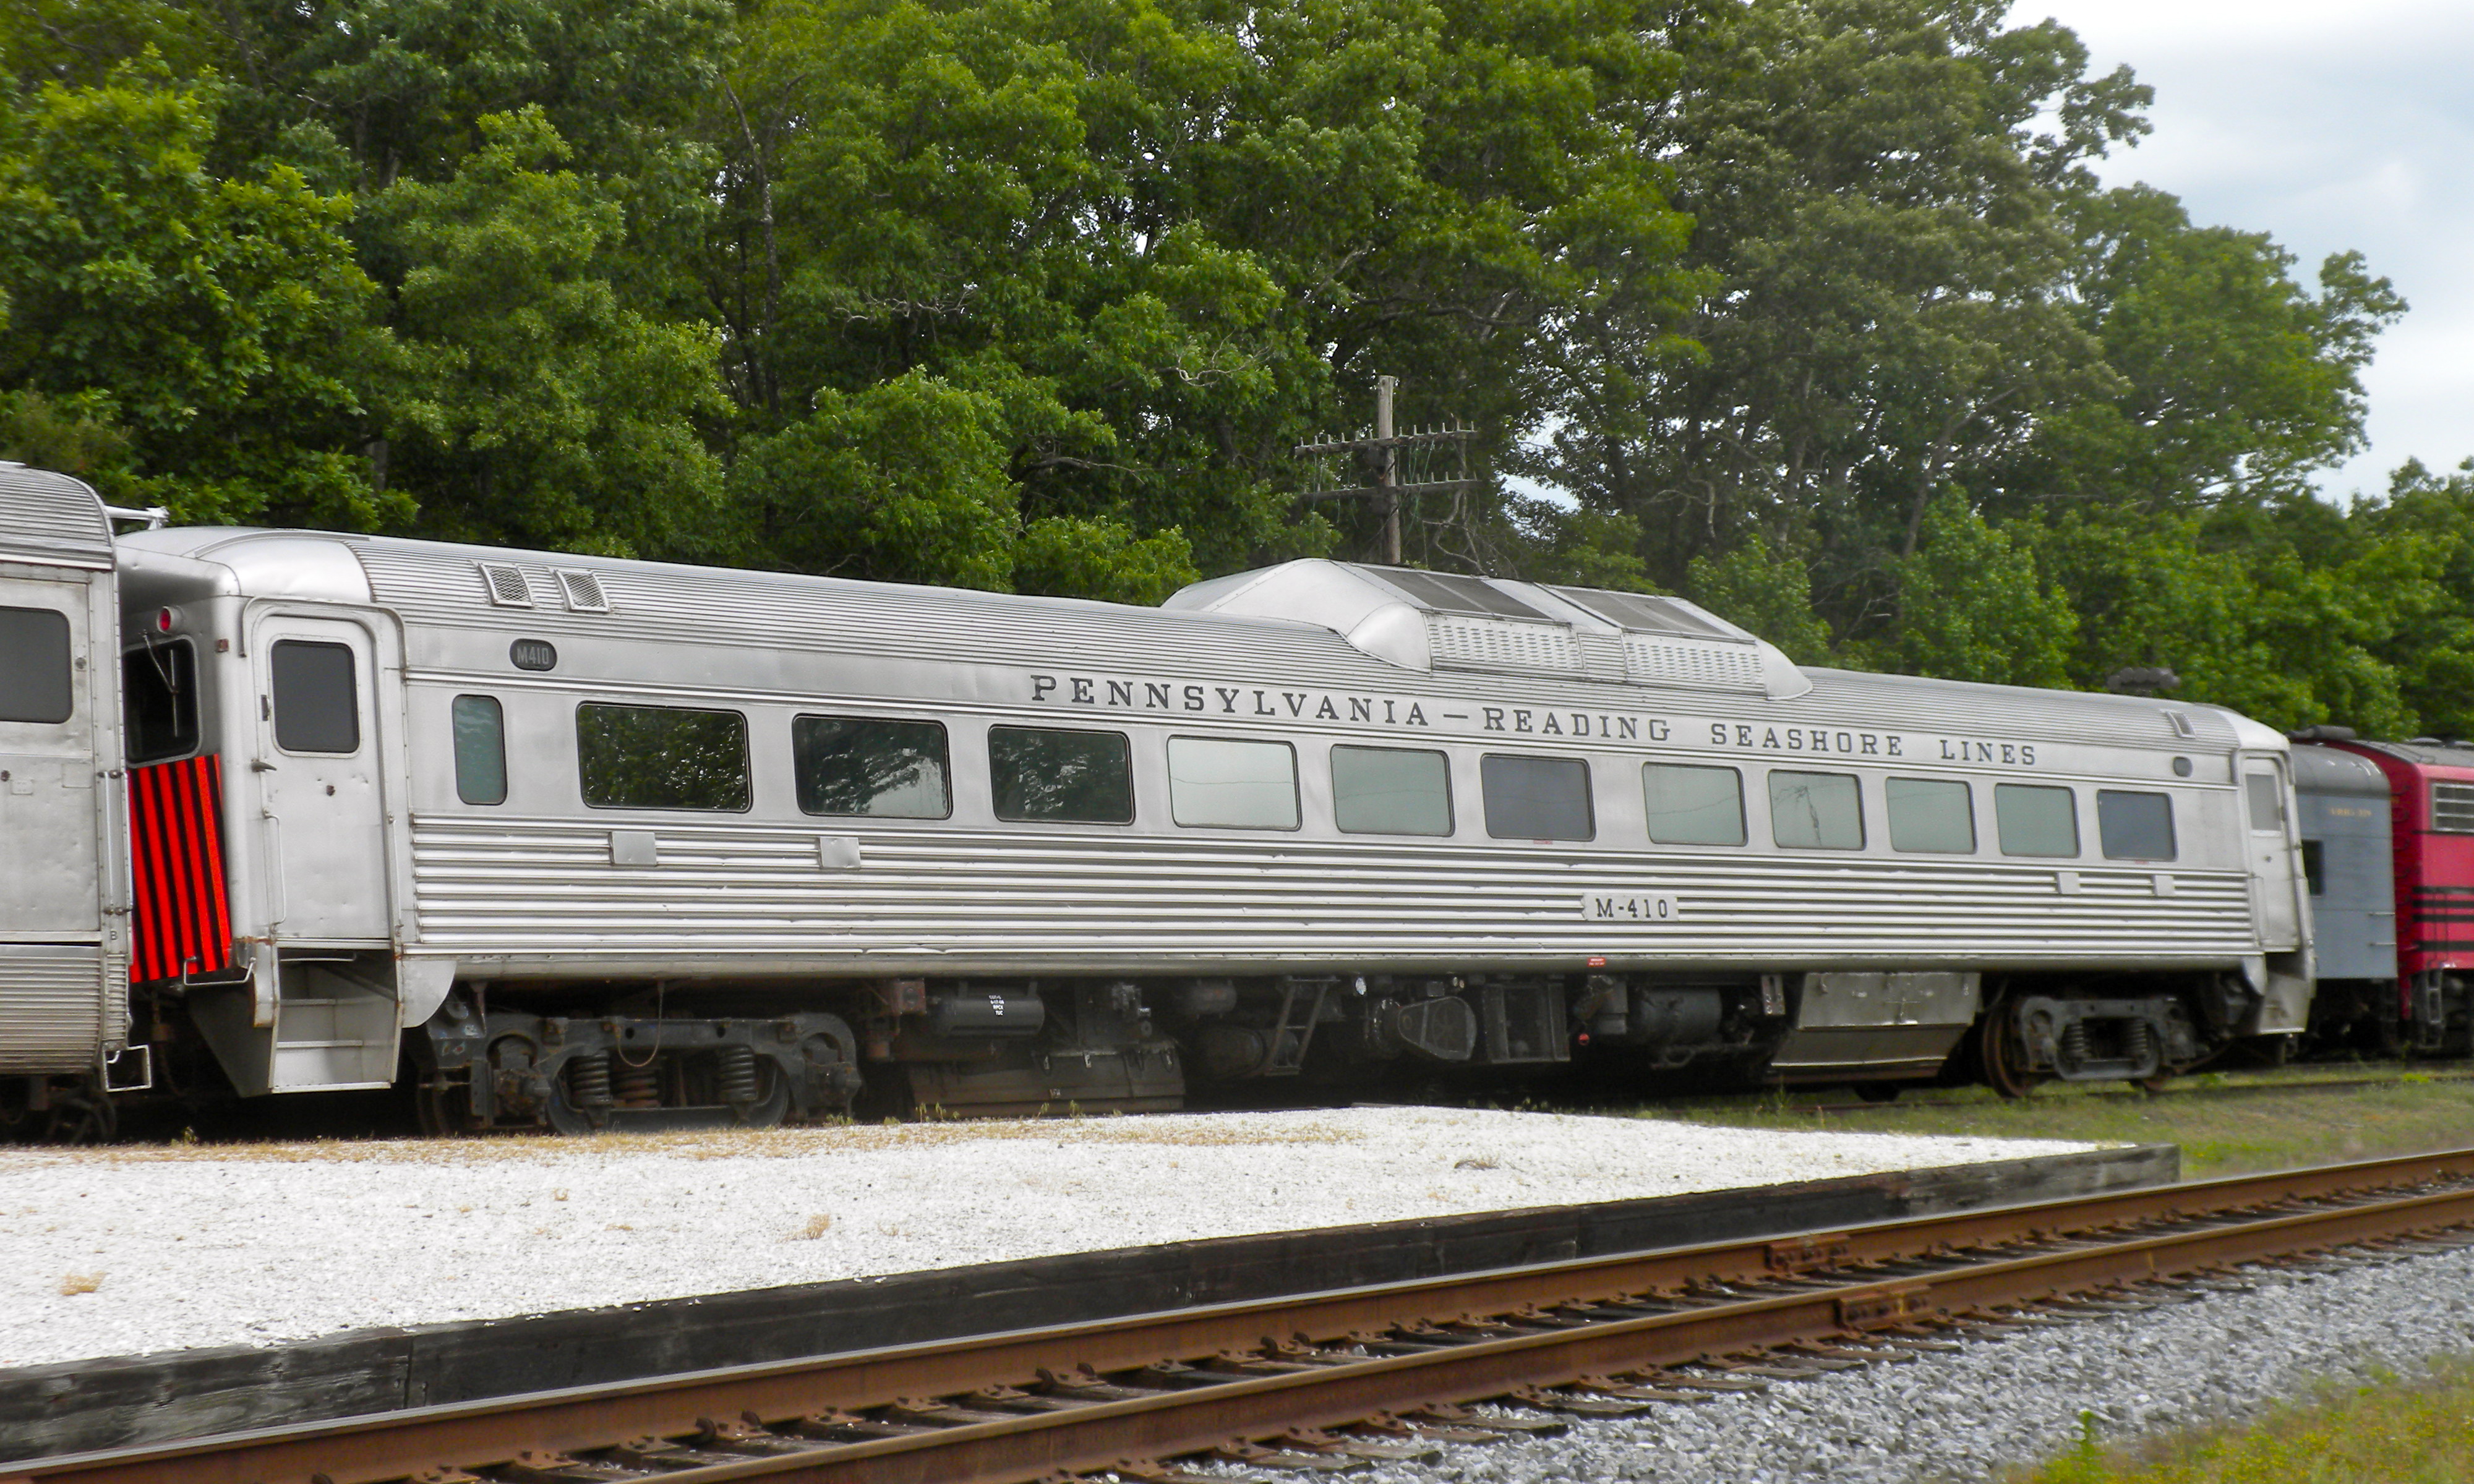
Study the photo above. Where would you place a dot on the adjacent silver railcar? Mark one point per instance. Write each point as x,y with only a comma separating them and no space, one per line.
599,843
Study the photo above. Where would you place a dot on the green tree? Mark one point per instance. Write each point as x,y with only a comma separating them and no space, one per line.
528,402
212,329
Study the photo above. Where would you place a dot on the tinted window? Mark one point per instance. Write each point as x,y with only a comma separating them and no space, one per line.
872,766
660,757
1816,811
35,681
1391,791
2134,826
1694,805
158,687
1537,798
2312,872
316,709
2035,821
2265,796
1082,778
480,749
1234,785
1931,814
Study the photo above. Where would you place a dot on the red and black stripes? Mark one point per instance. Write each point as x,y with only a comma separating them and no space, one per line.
182,920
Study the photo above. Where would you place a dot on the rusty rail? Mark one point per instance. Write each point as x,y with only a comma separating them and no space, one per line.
1085,1398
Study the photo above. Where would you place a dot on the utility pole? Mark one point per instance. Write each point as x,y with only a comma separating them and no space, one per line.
1375,461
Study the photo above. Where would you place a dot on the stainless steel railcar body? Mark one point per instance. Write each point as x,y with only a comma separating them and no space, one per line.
536,940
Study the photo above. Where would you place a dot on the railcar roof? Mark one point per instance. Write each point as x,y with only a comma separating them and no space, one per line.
2328,769
1325,623
2426,752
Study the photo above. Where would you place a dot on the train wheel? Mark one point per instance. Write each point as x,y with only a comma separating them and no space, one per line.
445,1112
2004,1054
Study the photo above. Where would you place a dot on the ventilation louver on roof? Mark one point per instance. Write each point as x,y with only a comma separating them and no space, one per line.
506,584
583,590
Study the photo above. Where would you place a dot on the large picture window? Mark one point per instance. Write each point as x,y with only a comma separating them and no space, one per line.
1690,806
1042,775
2035,820
1816,811
661,757
1391,791
1537,798
870,766
1931,814
2134,825
1228,785
317,700
34,672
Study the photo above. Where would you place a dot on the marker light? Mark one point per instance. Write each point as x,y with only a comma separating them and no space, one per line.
162,620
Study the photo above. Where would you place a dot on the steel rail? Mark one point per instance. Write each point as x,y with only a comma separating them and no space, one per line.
2221,1222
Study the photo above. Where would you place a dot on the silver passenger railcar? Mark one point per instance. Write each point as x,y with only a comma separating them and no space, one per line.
600,843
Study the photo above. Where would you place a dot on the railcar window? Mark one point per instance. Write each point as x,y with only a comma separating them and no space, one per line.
2313,871
158,685
481,729
1931,814
1537,798
660,757
317,703
1216,782
1075,777
2265,795
2035,820
1391,791
1689,806
2134,825
2452,808
1816,811
34,672
871,765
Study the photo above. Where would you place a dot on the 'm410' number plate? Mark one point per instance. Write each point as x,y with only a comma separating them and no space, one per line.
1629,907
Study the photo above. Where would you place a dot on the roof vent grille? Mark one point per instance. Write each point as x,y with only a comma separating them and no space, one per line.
1503,644
506,584
584,593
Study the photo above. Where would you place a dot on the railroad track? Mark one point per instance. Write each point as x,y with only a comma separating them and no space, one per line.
1328,1381
2179,1088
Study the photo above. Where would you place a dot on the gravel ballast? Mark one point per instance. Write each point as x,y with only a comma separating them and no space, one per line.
1960,1416
128,1251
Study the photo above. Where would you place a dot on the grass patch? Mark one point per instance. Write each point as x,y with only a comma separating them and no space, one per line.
2410,1432
2225,1125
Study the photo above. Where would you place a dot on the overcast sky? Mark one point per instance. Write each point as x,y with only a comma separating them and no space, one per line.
2329,127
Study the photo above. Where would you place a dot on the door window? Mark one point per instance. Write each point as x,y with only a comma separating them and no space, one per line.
317,708
35,684
159,684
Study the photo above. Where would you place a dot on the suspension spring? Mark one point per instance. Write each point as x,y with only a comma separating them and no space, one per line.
2075,1043
737,1075
2143,1043
587,1080
637,1086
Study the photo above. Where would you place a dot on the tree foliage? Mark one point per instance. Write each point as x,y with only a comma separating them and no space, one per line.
1812,309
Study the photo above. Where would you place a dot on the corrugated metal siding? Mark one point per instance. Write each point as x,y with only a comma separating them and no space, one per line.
441,585
48,516
54,1004
933,899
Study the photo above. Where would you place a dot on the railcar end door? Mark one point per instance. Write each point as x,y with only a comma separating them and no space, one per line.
51,810
321,812
2267,820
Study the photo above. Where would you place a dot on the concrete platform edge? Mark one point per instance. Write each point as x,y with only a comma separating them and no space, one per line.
80,1405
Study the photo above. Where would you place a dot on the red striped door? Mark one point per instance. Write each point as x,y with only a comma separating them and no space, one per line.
183,922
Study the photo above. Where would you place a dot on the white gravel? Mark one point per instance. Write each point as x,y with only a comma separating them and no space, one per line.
121,1251
1959,1417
